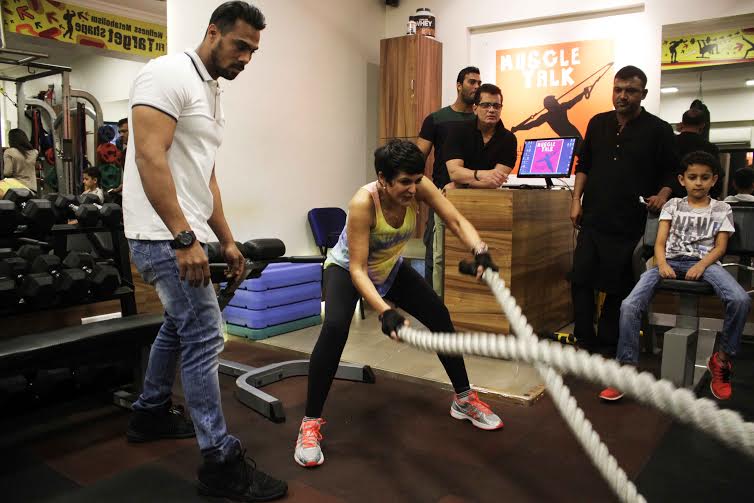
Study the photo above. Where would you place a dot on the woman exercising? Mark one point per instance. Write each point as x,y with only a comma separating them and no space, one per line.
367,262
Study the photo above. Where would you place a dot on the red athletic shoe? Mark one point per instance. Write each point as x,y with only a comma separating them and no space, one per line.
720,372
611,394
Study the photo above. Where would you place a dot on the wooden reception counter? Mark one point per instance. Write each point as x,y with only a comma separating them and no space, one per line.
530,236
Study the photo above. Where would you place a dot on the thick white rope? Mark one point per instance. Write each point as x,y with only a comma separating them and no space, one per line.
549,359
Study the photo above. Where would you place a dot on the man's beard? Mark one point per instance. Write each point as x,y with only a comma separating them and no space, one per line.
469,100
219,69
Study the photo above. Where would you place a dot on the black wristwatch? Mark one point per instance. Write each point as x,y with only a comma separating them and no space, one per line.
184,239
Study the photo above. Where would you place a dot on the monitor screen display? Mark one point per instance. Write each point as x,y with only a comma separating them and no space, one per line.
547,158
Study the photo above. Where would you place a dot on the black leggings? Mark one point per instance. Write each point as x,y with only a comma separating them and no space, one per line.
409,291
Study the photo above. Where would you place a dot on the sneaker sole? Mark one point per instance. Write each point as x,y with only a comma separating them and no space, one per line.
138,438
309,464
205,490
461,416
608,399
710,385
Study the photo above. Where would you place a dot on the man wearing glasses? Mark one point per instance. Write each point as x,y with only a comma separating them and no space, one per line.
480,153
625,168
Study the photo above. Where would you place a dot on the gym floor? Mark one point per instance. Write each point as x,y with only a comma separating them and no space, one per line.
389,441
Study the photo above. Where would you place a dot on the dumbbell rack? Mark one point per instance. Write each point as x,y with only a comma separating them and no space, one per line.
58,240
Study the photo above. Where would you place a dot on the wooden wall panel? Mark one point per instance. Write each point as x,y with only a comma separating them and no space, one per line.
397,112
530,239
542,257
470,302
428,83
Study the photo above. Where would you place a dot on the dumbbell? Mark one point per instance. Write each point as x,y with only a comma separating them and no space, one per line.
69,206
37,214
103,278
110,213
34,288
87,210
8,217
70,284
8,291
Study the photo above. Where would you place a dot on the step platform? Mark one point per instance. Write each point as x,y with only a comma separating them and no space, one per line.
258,334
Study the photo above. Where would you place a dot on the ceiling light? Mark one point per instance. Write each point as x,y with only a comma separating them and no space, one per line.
750,82
669,90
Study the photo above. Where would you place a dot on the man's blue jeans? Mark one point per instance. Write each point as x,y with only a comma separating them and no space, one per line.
735,299
192,329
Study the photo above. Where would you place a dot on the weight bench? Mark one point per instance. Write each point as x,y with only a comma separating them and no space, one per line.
259,253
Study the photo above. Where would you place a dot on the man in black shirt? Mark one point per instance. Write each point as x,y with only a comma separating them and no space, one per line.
480,153
628,156
433,133
691,139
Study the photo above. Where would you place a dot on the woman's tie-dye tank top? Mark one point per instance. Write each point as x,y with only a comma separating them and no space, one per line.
385,244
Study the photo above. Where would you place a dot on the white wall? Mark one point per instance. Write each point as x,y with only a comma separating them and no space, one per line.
456,17
300,121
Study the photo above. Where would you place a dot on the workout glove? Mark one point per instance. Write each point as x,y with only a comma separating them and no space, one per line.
391,321
484,260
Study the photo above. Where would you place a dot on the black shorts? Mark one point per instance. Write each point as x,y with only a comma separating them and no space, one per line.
604,261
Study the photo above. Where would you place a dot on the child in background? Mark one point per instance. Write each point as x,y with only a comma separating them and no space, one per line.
91,183
692,237
743,182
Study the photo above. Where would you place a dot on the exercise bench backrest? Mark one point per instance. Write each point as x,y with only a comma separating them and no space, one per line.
741,243
645,248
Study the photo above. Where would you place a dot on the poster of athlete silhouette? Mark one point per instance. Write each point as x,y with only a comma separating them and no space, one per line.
553,90
707,49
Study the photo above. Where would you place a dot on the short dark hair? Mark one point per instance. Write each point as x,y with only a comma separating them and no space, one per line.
462,74
744,178
629,72
93,172
124,120
397,156
694,117
226,15
489,89
703,158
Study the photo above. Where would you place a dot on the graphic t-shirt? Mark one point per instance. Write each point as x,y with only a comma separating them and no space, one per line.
693,230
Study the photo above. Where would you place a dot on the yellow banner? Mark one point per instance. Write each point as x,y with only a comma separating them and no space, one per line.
707,49
73,24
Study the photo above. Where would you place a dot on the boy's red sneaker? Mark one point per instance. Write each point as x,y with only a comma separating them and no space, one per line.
611,394
720,372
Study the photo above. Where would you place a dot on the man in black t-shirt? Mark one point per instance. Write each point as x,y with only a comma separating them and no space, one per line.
691,139
628,155
433,133
479,153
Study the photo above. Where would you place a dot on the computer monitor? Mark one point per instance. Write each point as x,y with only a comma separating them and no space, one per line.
547,158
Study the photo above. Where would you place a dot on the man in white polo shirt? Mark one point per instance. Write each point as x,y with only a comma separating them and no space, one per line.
171,206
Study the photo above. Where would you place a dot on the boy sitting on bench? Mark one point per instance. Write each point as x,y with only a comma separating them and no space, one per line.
692,236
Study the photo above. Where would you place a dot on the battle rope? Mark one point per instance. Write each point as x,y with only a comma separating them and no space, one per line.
549,359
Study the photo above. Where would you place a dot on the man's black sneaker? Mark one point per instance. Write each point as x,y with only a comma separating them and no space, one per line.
238,479
170,422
